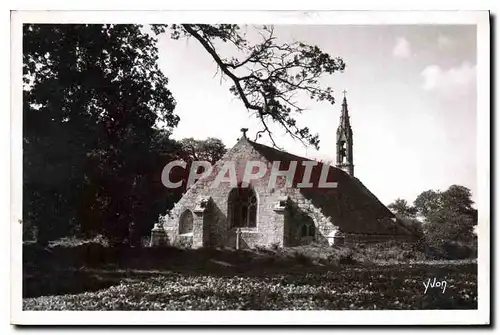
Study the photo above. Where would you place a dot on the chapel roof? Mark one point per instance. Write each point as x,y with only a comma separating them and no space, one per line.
359,209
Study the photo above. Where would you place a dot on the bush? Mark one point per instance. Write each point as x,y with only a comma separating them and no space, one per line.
434,248
301,258
275,246
347,258
260,248
183,242
414,225
404,255
390,251
456,250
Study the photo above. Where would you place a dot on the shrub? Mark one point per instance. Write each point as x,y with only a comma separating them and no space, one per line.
347,258
419,245
260,248
183,242
455,250
275,246
301,258
414,225
340,255
434,248
404,255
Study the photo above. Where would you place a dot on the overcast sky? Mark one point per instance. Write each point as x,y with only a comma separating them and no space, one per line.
411,96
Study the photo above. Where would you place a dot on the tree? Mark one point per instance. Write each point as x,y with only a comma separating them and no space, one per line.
92,95
267,76
427,202
448,224
401,208
188,150
210,150
460,198
448,215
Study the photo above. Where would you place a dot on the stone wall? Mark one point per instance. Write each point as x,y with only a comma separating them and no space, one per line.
302,207
375,238
211,226
349,210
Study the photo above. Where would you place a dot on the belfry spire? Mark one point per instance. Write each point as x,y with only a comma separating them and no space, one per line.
344,118
345,157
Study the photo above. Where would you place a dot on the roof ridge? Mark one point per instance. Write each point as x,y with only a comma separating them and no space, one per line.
252,143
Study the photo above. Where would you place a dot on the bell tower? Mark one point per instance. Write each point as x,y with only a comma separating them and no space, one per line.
345,159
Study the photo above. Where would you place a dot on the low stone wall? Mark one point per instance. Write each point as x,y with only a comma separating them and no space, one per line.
248,239
373,238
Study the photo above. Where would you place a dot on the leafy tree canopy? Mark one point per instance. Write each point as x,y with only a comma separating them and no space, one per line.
401,208
448,215
92,96
210,149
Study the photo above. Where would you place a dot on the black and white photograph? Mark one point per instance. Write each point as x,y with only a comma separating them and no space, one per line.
333,162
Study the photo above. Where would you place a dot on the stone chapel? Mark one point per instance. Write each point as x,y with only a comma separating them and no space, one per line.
255,214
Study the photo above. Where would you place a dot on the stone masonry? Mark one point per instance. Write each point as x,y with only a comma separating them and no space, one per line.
281,210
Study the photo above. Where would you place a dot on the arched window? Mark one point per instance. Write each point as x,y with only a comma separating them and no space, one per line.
343,152
186,222
243,207
308,230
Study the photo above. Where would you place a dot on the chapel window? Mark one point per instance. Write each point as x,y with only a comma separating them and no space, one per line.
308,230
186,222
243,207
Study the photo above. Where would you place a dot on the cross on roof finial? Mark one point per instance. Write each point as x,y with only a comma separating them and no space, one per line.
244,131
344,91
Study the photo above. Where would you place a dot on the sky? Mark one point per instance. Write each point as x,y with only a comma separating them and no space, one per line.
411,93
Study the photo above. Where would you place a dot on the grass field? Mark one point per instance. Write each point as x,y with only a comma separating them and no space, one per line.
300,278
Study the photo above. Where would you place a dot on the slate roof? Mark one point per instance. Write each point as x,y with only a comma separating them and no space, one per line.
351,205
